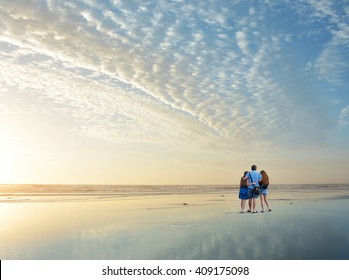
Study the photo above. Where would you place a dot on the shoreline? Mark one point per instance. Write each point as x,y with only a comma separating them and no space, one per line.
61,193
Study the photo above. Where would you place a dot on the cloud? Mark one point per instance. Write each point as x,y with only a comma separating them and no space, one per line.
331,20
186,75
242,42
344,116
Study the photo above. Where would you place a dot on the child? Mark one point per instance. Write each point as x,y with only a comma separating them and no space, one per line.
243,192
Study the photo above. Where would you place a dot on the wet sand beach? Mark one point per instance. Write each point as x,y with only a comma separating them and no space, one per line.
171,222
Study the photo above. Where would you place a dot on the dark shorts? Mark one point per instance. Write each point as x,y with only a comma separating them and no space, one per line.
251,194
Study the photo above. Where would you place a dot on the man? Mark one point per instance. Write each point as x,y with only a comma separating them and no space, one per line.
253,178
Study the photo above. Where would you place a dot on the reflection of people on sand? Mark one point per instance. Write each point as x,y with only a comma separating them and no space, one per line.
264,183
243,192
253,178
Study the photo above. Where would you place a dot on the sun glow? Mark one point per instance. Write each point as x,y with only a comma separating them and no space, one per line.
8,154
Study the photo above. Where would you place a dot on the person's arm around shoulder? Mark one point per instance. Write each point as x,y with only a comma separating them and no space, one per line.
247,178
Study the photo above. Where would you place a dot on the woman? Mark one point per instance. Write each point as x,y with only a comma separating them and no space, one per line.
243,192
264,183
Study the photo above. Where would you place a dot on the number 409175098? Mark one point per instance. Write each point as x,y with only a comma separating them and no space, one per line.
222,270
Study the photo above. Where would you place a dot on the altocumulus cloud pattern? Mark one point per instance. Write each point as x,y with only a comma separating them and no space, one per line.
184,74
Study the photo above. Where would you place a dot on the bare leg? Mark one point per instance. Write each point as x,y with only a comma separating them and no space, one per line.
253,205
243,203
267,202
262,204
250,204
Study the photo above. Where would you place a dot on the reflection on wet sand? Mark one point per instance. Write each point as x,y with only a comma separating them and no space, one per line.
185,226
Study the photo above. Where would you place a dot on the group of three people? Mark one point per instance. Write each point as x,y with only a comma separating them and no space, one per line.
248,182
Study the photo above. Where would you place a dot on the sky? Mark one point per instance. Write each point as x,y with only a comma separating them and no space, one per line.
173,92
